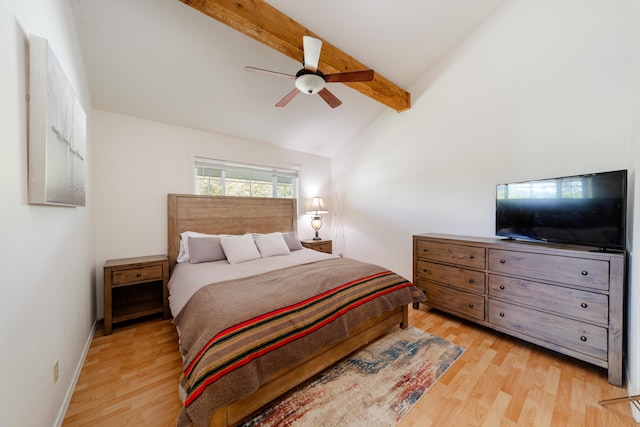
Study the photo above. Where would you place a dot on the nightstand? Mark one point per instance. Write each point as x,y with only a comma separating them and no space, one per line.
325,246
135,287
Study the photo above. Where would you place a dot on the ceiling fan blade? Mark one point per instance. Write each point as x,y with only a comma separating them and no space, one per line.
350,76
312,47
284,101
269,72
329,98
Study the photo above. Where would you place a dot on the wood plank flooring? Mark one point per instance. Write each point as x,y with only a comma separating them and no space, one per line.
130,378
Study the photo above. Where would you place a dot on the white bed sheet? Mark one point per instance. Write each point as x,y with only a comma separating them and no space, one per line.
187,278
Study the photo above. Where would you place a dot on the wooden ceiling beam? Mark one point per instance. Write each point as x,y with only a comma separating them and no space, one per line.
266,24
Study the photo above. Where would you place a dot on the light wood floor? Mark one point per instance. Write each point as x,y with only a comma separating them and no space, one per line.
130,378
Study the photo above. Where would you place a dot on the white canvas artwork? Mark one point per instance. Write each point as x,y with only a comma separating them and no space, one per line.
57,132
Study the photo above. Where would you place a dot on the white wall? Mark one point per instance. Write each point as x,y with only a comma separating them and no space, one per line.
633,301
47,291
544,88
138,162
513,102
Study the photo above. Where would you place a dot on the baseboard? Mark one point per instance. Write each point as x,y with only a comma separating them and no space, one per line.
76,375
631,390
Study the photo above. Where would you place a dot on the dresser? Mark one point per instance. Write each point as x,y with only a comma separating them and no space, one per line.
569,299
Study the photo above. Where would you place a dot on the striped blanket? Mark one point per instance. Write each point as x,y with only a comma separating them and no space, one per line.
235,334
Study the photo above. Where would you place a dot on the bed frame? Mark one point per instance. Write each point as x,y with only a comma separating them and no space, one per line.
239,215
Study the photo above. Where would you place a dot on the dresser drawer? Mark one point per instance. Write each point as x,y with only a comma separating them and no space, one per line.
462,278
581,337
562,269
452,300
467,256
589,306
135,275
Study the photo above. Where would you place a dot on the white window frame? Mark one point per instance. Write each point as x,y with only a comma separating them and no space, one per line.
224,167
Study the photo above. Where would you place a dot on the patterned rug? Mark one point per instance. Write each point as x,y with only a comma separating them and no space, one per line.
376,386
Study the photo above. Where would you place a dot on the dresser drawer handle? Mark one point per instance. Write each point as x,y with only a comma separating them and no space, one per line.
501,314
470,305
583,338
471,256
502,287
471,280
502,261
585,273
139,273
584,305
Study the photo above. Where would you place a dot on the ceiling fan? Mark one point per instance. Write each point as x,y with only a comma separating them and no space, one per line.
310,80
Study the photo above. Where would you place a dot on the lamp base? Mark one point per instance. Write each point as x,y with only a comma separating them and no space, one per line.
316,223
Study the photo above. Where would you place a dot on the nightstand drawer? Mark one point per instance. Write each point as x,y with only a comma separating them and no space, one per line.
325,246
136,275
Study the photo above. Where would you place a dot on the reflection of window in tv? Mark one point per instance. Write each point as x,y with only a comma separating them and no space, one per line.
573,188
565,188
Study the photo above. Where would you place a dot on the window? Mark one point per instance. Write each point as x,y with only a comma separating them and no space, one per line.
220,178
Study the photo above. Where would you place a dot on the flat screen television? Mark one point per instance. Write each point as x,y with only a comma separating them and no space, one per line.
588,209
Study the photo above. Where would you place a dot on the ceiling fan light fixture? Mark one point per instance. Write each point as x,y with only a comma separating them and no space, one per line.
311,80
310,83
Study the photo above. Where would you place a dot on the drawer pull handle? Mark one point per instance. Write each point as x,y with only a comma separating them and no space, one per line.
583,338
502,261
425,250
471,256
138,274
584,273
471,280
584,305
502,287
501,314
471,305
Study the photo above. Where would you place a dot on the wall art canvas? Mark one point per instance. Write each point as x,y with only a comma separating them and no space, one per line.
57,132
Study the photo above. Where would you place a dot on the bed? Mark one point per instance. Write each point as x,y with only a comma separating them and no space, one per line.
241,346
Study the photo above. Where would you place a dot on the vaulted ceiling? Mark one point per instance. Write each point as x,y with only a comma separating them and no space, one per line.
182,61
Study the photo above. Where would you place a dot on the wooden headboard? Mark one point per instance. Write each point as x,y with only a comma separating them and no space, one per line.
226,215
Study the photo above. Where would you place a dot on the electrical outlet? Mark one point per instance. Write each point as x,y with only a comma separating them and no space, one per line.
55,372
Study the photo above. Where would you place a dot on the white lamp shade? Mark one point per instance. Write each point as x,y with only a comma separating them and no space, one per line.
317,206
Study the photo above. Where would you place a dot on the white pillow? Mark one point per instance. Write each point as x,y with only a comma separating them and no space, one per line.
239,248
271,244
183,255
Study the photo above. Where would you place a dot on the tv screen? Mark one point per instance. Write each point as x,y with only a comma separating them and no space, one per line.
585,209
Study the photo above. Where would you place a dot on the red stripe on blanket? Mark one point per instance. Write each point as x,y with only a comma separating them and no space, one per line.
195,393
274,313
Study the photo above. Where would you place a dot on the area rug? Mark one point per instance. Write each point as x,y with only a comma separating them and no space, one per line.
376,386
